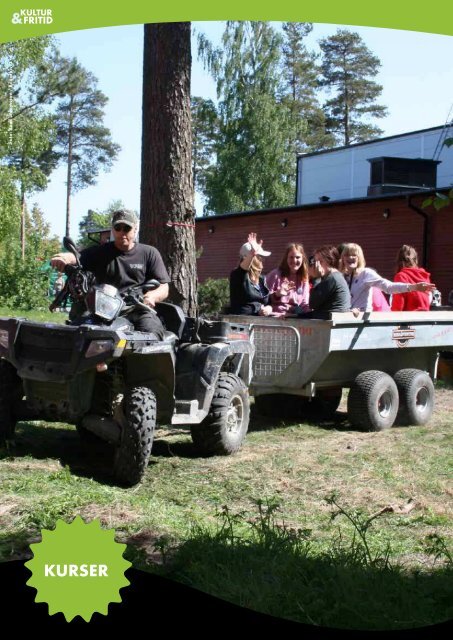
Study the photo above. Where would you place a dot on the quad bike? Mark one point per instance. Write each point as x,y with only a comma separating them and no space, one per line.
115,383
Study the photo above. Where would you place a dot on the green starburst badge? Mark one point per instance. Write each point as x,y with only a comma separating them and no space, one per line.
78,569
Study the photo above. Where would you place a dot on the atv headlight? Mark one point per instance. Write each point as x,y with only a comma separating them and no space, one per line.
107,302
98,347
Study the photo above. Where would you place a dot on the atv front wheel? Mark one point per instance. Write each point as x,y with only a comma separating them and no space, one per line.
137,421
224,428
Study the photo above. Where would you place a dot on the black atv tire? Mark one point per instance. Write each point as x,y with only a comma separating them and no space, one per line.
10,392
137,432
373,401
416,393
225,427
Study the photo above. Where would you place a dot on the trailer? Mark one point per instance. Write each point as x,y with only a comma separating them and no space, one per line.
388,361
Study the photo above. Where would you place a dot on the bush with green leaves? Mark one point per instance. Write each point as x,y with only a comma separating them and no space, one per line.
23,283
213,296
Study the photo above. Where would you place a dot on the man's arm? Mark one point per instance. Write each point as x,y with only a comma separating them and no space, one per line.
151,298
60,260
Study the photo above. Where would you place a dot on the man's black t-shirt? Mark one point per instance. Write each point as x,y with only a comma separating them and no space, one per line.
124,269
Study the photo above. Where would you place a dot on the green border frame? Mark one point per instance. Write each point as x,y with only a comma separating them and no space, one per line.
437,17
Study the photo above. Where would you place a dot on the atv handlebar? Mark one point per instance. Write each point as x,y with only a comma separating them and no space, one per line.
69,244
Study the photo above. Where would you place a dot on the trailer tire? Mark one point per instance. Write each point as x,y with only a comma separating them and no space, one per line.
137,433
416,395
10,391
223,430
373,401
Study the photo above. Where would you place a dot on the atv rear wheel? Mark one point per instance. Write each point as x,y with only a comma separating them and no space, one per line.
224,428
10,392
137,418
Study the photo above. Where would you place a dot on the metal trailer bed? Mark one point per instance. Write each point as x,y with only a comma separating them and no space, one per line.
388,360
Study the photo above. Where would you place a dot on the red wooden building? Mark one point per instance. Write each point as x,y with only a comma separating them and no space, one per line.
379,224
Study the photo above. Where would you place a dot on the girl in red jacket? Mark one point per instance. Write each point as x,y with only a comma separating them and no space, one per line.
410,272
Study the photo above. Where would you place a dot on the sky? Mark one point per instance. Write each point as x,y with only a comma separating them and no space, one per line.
416,73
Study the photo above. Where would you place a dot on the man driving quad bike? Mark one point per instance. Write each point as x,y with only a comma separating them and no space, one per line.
117,367
125,263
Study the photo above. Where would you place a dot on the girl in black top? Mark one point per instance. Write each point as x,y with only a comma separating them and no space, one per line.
249,294
331,293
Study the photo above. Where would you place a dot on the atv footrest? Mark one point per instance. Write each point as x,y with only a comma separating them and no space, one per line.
187,412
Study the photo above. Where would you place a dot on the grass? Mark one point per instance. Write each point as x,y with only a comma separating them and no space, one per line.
172,525
40,315
279,570
314,522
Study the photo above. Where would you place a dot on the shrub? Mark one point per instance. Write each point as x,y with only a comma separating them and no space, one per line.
23,283
213,296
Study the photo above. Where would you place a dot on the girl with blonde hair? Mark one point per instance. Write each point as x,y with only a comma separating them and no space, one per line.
249,294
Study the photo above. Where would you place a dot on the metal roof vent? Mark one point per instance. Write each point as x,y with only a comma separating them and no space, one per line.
396,175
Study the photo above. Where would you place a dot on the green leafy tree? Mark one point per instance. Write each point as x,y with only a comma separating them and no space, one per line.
254,165
21,63
300,70
204,137
348,67
26,132
24,281
31,157
32,74
84,144
41,243
9,207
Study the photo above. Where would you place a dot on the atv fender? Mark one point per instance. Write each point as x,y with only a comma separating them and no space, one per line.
199,365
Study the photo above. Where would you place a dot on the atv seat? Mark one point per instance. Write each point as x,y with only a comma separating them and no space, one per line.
172,317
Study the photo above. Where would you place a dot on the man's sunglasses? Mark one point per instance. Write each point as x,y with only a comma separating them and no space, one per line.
122,227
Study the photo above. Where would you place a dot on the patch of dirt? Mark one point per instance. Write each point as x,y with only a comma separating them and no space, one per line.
112,517
9,504
156,548
51,465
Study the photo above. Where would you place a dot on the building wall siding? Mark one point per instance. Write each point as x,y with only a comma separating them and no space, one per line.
345,173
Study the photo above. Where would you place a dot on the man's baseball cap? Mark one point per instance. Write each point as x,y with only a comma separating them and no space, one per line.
124,216
246,250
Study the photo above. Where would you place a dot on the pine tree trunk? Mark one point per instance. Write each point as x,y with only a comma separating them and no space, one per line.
167,215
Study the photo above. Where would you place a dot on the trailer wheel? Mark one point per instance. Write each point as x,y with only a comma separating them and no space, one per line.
416,394
373,401
137,418
224,428
10,391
